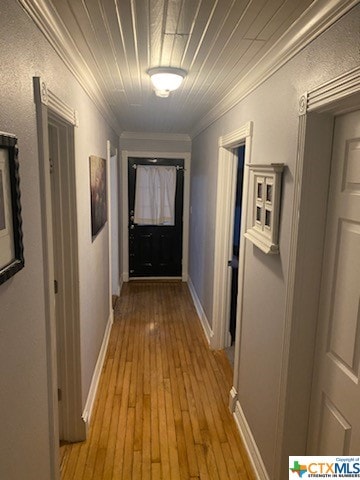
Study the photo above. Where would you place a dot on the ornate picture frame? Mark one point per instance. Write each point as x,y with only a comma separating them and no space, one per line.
11,244
98,194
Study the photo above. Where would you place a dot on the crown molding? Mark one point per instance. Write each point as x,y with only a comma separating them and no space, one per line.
47,20
165,137
315,20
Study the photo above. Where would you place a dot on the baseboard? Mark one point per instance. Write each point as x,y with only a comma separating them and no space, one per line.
200,311
89,405
233,396
250,444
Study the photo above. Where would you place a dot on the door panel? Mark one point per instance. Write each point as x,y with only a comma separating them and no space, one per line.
155,250
335,430
343,338
335,414
143,249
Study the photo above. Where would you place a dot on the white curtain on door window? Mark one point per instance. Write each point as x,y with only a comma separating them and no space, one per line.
155,195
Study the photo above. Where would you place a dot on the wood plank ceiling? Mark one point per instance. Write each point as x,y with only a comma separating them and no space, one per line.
216,41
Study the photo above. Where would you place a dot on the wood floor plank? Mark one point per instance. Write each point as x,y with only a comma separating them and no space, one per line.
163,431
161,411
181,449
121,427
194,417
173,382
190,445
155,439
230,464
69,459
156,471
135,365
203,469
171,432
181,390
146,445
214,456
129,442
110,451
136,473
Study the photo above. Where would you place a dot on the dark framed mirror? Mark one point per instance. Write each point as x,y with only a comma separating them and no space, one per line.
11,244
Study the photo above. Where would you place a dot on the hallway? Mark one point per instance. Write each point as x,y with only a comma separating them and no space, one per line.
162,407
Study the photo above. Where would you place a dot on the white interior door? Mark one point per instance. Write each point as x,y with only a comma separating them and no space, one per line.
65,261
335,411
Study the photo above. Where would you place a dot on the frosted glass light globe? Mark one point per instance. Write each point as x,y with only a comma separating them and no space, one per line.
166,79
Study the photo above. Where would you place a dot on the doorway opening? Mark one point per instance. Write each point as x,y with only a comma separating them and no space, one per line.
66,294
236,239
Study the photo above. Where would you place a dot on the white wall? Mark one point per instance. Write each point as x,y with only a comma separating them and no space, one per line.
273,109
90,139
24,442
148,142
202,218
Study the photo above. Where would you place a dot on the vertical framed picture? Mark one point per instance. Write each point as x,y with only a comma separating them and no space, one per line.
11,245
98,194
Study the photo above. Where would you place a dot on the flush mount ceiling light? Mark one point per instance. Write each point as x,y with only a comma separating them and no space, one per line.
166,79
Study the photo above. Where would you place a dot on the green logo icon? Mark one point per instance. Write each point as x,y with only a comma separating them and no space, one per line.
299,469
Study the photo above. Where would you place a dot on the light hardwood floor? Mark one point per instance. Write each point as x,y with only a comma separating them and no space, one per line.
162,405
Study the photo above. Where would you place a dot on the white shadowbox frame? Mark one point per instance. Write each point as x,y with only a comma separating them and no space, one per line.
265,191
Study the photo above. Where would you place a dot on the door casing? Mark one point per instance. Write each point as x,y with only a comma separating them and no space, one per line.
125,206
47,103
113,219
224,229
317,109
